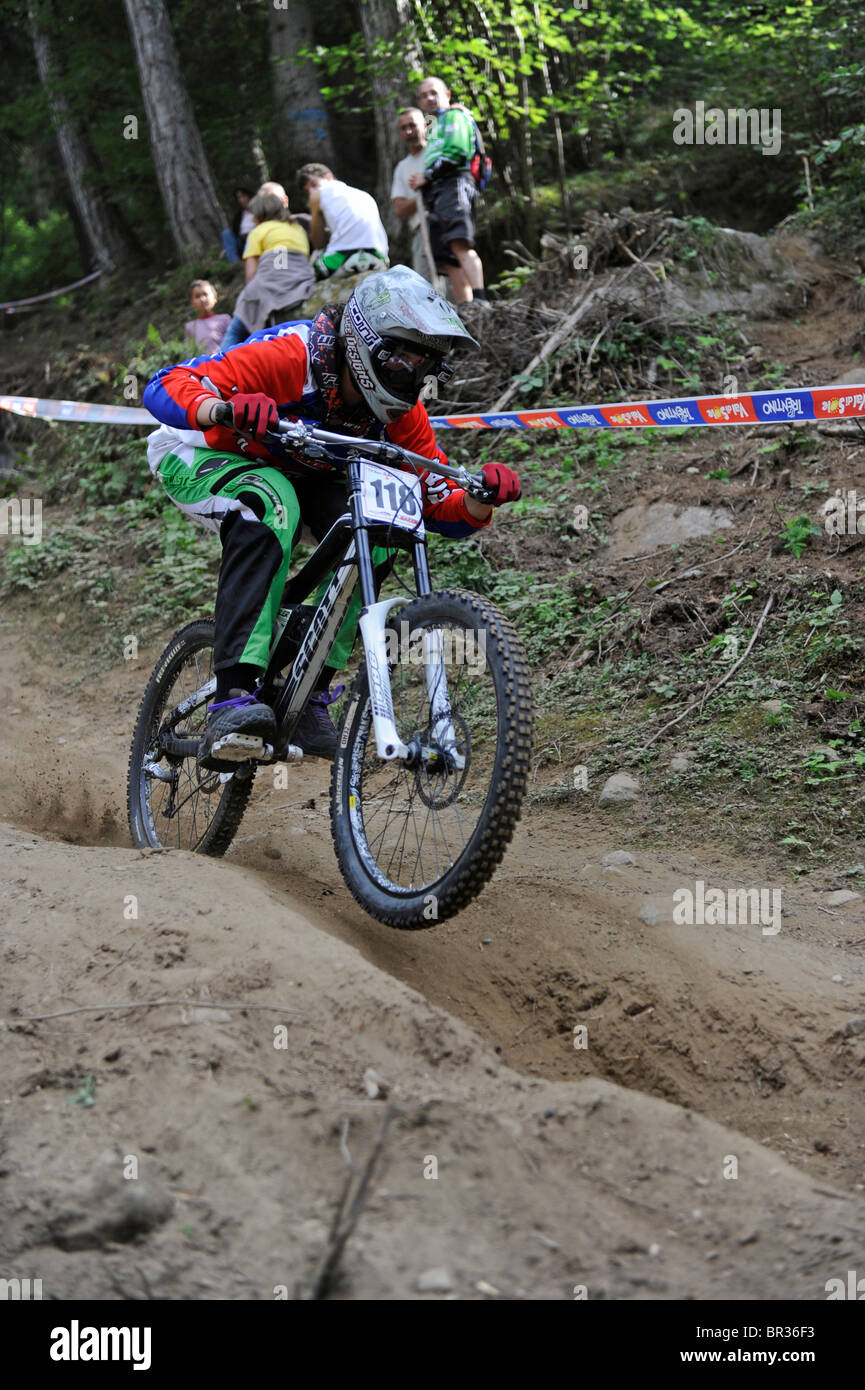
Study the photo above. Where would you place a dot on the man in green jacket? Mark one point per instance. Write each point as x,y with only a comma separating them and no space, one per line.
449,191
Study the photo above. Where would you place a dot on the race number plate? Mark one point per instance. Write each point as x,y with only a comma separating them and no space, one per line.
392,496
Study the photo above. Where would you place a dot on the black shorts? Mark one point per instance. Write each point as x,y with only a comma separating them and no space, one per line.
450,207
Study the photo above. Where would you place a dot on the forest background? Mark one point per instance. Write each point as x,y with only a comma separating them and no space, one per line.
126,126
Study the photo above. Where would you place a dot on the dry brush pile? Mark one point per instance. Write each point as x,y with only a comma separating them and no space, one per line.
624,308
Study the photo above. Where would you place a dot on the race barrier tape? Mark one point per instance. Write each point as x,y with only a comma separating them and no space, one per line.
821,403
778,407
84,411
11,306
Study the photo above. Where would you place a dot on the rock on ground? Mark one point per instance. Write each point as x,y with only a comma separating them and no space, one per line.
621,787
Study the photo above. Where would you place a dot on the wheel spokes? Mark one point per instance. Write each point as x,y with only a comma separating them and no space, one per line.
173,803
418,819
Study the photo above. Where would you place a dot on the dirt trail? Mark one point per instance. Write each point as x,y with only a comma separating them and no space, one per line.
748,1029
235,1143
550,1175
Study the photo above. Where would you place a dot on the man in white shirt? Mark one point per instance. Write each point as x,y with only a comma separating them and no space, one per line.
406,202
356,231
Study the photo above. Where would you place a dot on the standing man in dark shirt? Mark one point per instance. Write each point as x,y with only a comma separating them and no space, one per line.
449,191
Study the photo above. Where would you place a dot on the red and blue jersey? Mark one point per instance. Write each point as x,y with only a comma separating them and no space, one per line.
276,362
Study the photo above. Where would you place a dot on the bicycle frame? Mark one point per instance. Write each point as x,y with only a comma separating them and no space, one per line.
346,550
351,537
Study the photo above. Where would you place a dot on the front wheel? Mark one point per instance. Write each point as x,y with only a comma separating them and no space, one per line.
418,840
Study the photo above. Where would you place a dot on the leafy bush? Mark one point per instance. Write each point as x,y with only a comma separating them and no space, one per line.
37,256
798,533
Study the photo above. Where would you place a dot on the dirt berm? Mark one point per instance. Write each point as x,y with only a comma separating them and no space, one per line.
240,1145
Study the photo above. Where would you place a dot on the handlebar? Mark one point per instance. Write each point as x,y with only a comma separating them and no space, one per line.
317,444
313,443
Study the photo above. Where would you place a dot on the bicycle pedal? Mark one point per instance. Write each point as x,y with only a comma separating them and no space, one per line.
239,748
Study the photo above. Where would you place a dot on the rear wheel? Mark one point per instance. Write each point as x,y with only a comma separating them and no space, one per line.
172,803
417,840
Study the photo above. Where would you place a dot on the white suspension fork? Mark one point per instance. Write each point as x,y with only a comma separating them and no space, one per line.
372,625
388,742
435,672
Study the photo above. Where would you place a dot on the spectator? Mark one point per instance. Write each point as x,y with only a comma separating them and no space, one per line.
356,232
244,221
276,261
234,237
301,218
449,191
406,201
209,328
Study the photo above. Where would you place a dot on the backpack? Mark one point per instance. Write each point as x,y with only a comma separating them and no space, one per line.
480,164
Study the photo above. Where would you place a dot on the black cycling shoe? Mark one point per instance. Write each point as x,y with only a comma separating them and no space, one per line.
237,729
315,734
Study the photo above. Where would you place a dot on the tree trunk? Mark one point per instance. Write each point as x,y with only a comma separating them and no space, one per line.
98,226
390,21
495,148
301,123
557,125
524,145
185,181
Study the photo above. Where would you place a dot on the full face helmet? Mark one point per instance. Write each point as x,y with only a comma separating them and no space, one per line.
396,330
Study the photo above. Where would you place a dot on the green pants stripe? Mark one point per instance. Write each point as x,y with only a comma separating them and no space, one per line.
209,485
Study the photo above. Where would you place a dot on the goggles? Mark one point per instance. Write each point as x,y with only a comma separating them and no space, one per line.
403,367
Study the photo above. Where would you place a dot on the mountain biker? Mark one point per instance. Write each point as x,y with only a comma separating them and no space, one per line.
355,369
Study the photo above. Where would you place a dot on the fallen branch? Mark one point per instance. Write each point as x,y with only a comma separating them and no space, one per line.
686,574
554,341
570,322
152,1004
347,1214
852,431
713,689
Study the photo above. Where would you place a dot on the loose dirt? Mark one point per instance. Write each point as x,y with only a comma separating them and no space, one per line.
558,1166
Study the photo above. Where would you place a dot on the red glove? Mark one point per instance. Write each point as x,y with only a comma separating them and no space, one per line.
503,481
254,414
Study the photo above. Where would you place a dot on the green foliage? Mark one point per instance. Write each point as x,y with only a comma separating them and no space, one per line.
85,1096
798,534
149,356
29,567
37,256
611,74
138,565
512,279
829,641
106,466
